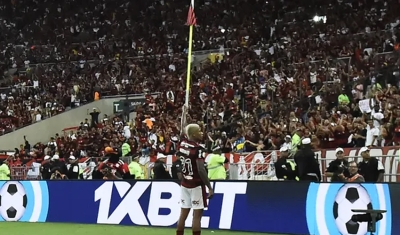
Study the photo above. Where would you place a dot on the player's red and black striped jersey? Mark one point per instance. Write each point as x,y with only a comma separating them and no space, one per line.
189,152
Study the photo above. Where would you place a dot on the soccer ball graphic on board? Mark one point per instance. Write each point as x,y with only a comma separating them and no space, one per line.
351,196
13,201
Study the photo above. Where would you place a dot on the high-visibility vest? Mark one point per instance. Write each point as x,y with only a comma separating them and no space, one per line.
293,166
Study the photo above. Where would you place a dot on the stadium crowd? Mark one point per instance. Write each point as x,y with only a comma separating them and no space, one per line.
321,69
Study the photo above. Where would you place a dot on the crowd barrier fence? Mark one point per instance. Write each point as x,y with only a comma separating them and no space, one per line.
258,165
254,206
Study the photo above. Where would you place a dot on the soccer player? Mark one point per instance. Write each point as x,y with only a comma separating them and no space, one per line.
194,179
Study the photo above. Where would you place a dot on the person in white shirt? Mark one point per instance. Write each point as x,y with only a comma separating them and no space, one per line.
38,116
373,134
127,131
377,116
288,142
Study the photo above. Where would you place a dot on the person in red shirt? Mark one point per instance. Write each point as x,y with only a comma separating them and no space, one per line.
117,166
194,179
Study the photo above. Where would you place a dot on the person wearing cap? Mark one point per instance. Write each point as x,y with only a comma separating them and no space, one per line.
307,165
73,171
215,165
288,142
45,168
285,168
370,167
135,169
337,167
56,163
160,169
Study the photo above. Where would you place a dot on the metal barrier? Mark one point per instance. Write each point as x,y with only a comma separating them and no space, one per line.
246,166
261,167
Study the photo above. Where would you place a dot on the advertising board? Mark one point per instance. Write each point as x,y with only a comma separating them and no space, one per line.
256,206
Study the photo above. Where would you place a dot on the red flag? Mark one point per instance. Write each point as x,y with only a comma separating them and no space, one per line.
191,19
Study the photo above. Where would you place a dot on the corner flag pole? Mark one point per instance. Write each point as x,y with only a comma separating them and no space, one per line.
191,21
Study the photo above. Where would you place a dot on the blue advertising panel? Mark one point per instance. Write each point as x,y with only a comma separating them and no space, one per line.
257,206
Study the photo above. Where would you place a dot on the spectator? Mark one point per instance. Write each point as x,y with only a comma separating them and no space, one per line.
95,117
354,176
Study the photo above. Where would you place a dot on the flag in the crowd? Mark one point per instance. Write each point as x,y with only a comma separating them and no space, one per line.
191,19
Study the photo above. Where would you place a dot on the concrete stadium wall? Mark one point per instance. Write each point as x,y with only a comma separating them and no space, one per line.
43,130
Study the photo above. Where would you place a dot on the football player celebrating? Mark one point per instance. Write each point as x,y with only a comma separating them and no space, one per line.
194,179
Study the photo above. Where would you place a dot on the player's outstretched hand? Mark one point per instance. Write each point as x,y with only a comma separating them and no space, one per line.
210,193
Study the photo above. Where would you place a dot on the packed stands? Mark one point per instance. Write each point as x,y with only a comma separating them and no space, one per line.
319,69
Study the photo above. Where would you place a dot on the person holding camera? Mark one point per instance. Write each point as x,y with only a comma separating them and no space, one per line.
108,173
337,167
57,175
354,177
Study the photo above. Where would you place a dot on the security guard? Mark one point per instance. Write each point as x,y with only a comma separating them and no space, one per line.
176,168
135,169
370,168
45,169
4,170
338,166
160,169
73,171
307,165
284,167
215,165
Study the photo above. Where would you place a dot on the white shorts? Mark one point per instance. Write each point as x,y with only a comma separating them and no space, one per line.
194,198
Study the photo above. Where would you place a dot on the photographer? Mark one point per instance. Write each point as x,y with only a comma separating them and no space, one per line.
353,174
108,174
57,175
337,167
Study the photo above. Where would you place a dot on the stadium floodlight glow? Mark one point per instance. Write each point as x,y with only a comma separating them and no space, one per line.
370,216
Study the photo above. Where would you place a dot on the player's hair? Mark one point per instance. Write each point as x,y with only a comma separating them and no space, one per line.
189,129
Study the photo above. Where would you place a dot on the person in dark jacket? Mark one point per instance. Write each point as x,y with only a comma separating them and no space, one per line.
56,163
160,169
284,168
45,169
176,169
338,166
307,165
73,171
370,167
